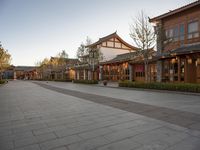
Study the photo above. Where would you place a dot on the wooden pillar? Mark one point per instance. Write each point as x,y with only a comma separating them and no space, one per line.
84,74
130,72
109,72
179,69
186,71
100,72
78,77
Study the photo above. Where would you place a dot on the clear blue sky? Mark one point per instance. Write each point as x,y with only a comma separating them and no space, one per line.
34,29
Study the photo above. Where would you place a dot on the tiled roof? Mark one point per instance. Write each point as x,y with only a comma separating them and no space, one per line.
103,39
132,56
187,49
25,68
68,60
192,48
175,11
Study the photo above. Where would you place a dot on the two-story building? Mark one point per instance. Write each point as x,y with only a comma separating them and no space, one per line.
178,44
106,49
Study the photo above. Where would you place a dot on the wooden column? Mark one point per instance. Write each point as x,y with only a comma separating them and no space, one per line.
186,70
179,69
130,72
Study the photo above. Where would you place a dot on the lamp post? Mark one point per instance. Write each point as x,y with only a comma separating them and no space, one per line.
92,56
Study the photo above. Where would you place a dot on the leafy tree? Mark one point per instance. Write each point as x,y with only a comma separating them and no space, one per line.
5,59
142,33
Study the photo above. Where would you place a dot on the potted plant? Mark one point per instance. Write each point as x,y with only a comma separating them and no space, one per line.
105,82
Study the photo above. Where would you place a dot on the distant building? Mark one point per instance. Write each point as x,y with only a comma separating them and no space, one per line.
25,72
178,44
58,71
9,73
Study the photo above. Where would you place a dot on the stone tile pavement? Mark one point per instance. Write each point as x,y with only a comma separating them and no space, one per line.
36,118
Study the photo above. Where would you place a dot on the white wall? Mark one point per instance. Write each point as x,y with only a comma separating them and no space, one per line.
110,53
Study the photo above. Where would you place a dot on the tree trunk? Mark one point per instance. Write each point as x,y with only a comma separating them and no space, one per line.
146,71
0,75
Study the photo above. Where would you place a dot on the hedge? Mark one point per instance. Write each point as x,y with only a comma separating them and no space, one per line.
86,81
58,80
2,81
183,87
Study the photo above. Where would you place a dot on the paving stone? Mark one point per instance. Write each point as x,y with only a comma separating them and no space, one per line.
195,126
45,137
120,135
88,144
30,147
24,142
154,145
121,145
41,131
61,148
95,133
59,142
6,145
163,134
190,143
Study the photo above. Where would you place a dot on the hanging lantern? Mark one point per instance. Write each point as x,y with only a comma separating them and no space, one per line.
198,61
173,61
189,61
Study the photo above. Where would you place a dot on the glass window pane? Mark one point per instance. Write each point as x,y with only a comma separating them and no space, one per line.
182,31
193,27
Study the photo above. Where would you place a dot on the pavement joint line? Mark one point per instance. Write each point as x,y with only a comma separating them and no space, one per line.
134,107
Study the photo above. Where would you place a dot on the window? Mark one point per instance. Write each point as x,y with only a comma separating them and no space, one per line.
181,32
176,33
172,34
193,30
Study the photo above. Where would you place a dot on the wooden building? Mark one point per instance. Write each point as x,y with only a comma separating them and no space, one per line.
25,72
128,66
178,44
109,47
60,69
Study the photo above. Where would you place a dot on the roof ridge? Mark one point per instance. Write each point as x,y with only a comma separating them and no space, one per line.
184,7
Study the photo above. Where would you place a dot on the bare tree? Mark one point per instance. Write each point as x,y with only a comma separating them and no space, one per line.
82,50
142,33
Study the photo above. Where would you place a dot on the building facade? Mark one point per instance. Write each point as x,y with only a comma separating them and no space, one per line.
178,44
108,48
129,66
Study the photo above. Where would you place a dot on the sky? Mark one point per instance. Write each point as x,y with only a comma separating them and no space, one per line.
32,30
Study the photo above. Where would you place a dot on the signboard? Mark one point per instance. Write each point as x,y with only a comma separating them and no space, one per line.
139,68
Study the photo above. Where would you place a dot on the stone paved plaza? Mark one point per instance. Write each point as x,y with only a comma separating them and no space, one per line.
66,116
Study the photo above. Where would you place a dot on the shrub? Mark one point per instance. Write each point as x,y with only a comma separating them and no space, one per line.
183,87
86,81
63,80
2,81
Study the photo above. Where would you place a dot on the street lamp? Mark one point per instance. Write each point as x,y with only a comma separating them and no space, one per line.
92,52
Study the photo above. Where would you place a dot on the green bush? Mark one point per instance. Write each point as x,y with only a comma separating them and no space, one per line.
61,80
2,81
86,81
183,87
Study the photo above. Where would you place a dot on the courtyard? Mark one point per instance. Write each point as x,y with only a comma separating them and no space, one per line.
39,115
